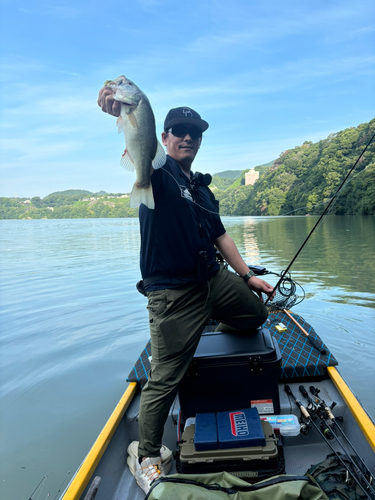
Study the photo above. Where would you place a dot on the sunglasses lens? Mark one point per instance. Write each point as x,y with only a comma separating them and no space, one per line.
182,130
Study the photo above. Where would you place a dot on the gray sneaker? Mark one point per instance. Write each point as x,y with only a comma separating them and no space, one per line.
147,471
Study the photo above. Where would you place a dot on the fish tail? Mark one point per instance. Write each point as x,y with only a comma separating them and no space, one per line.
142,195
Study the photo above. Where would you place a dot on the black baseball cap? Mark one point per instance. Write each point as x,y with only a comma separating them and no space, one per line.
184,115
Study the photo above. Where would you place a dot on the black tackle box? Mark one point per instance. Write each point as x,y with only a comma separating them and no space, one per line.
232,370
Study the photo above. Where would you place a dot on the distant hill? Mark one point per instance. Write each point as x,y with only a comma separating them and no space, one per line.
234,174
234,178
72,192
60,205
269,164
229,174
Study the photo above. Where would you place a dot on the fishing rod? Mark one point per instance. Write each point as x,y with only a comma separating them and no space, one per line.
324,412
330,434
66,477
356,467
312,407
321,403
307,415
321,217
40,482
311,339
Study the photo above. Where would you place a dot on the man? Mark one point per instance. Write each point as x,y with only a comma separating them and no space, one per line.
184,284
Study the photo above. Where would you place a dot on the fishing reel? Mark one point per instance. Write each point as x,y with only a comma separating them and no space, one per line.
326,431
305,428
312,407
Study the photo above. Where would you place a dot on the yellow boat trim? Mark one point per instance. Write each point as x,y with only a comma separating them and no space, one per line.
84,473
363,420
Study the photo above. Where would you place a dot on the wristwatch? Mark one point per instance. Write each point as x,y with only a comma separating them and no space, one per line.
248,275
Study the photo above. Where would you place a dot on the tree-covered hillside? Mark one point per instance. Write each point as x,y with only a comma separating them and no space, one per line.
67,205
303,179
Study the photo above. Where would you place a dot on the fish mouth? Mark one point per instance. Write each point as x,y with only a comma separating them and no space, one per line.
123,99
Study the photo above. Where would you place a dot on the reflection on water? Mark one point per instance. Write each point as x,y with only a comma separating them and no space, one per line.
73,324
340,253
251,251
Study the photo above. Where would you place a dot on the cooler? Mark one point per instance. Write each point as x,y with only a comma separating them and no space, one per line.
232,370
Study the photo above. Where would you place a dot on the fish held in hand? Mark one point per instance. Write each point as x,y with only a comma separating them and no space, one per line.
143,151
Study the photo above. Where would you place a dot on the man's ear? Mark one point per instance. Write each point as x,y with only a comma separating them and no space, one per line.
164,136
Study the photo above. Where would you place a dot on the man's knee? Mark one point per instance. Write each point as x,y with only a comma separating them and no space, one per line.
262,315
259,317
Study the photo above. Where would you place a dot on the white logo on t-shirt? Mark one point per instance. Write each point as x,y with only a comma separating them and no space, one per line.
185,193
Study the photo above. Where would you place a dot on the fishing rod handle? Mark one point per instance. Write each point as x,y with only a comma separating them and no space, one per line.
329,413
318,347
288,390
303,391
304,412
314,390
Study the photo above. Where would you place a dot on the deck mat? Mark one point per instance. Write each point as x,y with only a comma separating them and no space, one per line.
299,358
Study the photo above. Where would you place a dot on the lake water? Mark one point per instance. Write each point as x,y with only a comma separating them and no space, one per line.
72,325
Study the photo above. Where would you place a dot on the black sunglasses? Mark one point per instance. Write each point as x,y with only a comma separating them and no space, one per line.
182,130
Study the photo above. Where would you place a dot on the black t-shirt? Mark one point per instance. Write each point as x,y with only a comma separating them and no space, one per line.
184,222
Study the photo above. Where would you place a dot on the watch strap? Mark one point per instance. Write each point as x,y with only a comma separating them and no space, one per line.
248,275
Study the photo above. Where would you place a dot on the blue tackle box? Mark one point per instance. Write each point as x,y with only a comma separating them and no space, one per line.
228,429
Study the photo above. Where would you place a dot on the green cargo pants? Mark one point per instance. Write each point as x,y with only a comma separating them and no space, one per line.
177,319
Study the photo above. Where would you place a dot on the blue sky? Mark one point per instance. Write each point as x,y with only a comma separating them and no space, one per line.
266,75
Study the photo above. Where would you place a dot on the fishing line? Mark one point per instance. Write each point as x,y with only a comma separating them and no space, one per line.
321,217
41,489
66,477
182,195
40,482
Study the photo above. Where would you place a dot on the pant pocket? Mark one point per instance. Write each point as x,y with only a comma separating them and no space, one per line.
157,302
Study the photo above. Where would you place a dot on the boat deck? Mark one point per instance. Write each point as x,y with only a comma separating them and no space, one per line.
301,363
300,359
300,452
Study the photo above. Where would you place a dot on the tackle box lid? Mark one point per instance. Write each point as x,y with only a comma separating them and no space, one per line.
206,435
189,454
239,429
221,346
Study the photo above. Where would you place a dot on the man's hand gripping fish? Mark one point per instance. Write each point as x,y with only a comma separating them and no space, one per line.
143,151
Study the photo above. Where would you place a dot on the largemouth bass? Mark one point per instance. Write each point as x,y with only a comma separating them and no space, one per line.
143,151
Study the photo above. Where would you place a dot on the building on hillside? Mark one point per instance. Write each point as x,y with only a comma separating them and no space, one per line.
251,177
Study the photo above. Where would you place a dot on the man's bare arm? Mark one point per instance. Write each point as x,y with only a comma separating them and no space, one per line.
229,251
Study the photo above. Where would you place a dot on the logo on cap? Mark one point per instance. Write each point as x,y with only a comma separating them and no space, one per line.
187,112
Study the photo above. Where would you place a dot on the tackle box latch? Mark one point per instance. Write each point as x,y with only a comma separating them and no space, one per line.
256,364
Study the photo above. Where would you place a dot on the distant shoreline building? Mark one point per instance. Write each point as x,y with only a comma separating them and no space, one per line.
251,177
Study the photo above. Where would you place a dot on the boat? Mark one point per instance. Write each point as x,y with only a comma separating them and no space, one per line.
304,361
